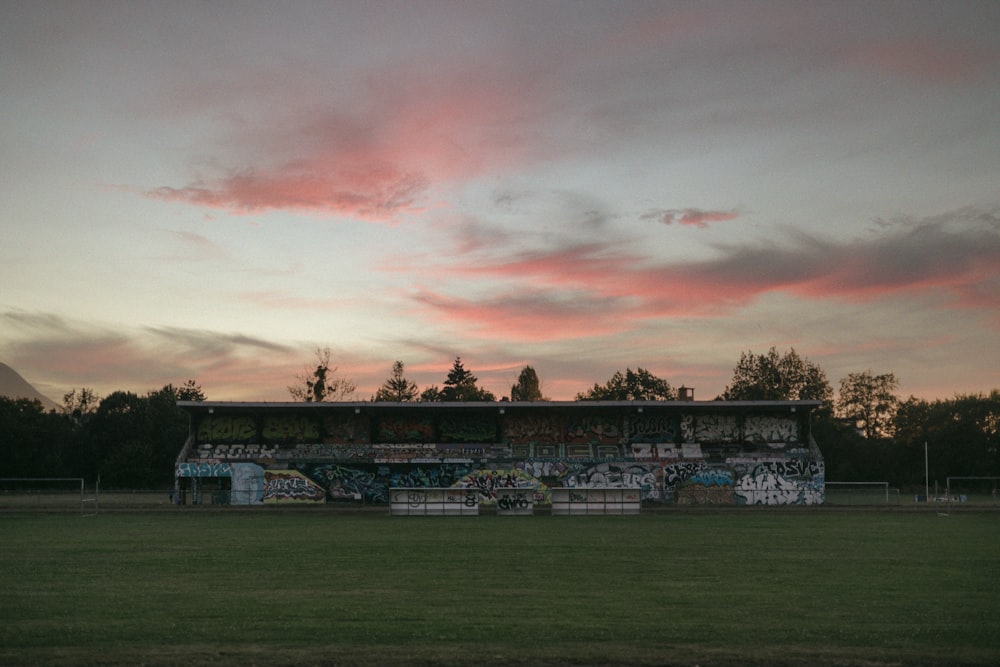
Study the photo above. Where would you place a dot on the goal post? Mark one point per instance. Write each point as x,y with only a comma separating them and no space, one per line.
858,493
51,493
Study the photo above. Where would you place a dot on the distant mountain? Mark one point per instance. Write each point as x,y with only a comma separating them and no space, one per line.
12,385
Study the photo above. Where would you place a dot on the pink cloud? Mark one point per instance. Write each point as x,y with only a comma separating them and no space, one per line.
961,263
692,217
370,192
376,153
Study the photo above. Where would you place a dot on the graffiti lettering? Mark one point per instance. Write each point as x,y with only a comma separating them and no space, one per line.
542,468
188,469
289,485
405,430
675,473
289,428
351,483
617,475
530,429
770,429
486,482
455,429
652,429
224,428
716,428
507,502
345,429
765,487
594,429
711,477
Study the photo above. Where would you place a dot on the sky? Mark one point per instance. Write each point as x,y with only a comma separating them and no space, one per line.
214,190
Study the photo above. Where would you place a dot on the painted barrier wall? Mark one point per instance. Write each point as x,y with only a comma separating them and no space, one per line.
681,453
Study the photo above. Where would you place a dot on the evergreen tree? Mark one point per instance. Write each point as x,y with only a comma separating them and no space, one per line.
191,391
397,388
461,386
431,394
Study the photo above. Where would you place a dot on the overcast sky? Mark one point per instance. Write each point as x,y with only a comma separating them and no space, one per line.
212,190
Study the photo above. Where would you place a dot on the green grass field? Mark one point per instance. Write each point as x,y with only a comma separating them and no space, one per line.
273,587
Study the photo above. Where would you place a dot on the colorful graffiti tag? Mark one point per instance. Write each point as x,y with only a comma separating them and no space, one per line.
226,428
489,481
290,486
191,469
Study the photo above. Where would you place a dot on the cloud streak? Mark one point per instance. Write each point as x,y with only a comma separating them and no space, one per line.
59,354
525,315
691,217
955,257
372,192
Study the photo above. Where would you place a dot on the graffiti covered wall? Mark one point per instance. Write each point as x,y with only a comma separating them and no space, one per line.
716,454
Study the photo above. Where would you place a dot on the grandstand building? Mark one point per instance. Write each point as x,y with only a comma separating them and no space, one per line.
676,452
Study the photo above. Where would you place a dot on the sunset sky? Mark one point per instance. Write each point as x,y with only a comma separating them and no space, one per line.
212,190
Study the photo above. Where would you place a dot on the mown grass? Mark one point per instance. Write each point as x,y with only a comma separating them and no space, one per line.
318,588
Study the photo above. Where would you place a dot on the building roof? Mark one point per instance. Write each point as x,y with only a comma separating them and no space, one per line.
199,406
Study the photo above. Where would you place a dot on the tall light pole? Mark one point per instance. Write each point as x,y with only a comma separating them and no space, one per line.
927,476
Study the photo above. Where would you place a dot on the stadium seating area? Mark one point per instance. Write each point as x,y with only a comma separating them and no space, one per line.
706,452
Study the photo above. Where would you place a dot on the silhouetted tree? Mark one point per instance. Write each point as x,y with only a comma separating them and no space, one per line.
962,436
638,386
80,404
460,385
191,391
397,388
528,388
869,401
777,377
430,394
322,384
117,441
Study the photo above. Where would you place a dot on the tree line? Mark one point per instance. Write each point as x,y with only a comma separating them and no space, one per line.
126,440
866,433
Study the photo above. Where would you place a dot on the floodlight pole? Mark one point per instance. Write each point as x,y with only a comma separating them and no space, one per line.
927,476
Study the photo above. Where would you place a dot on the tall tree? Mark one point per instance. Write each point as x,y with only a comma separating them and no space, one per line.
117,441
397,388
460,385
778,377
191,391
168,429
321,384
80,404
869,401
528,388
638,386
